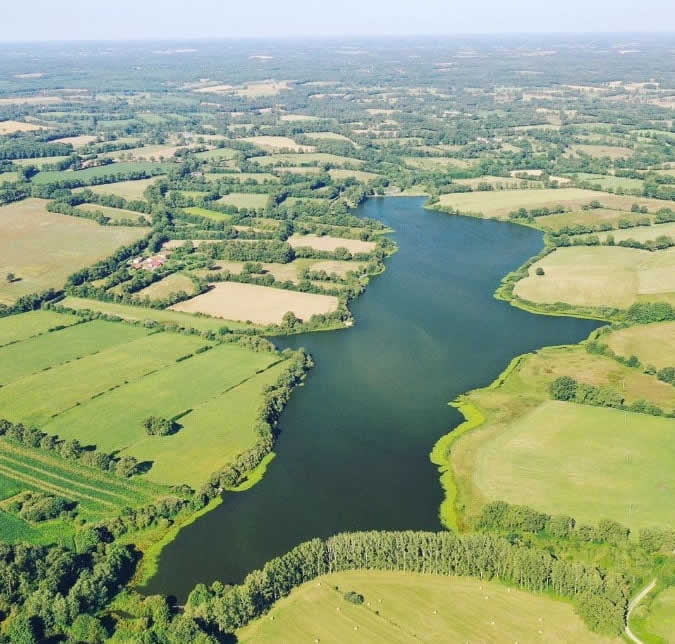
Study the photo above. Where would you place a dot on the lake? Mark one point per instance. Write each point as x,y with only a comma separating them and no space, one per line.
354,449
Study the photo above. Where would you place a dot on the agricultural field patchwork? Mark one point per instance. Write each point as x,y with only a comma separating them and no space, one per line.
98,381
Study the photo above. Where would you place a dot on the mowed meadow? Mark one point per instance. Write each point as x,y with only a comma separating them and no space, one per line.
97,381
402,608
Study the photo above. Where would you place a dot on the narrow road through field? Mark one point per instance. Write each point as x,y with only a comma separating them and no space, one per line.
636,600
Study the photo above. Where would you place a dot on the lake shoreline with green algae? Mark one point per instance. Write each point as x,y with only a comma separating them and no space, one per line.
335,425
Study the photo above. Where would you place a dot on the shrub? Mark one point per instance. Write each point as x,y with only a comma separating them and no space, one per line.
354,598
564,388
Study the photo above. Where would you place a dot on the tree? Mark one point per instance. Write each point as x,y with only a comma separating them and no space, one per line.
156,426
539,271
289,320
10,277
564,388
88,629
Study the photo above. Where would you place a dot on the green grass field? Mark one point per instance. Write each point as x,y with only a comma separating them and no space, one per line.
595,216
171,284
100,171
21,327
124,189
359,175
212,434
566,457
599,276
39,162
73,343
409,607
40,396
652,343
43,248
115,214
241,177
654,620
142,314
643,233
306,158
210,214
606,181
244,200
174,390
217,153
588,462
433,163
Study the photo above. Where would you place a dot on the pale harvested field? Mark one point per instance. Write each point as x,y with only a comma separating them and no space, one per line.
291,118
597,276
500,204
145,153
77,141
529,173
9,127
126,189
611,151
331,243
652,343
44,248
31,100
277,143
261,304
213,89
643,233
264,88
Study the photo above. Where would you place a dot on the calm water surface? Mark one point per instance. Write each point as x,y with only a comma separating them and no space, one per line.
353,453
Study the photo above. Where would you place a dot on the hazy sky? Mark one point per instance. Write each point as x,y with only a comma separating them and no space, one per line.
138,19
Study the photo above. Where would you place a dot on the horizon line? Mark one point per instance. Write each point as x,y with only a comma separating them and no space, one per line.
317,37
